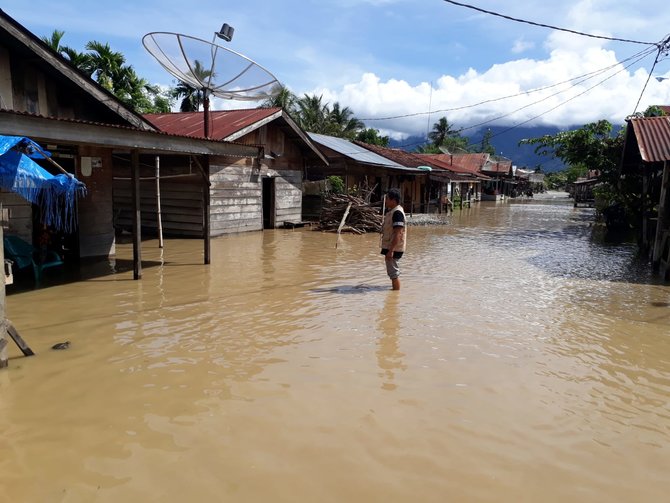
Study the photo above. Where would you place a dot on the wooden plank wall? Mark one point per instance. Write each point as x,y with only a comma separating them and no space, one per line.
181,198
237,195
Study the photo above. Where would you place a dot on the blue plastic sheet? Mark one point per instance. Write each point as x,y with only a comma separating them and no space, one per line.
56,195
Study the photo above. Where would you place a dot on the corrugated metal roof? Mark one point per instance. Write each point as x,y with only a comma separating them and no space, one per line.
222,123
448,161
355,152
653,138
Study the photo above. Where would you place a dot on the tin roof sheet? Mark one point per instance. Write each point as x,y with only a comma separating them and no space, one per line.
355,152
223,123
653,138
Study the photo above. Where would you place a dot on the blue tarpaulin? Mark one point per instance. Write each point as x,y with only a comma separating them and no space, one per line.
56,195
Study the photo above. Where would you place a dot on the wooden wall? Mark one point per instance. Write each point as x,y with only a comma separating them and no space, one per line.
181,196
237,195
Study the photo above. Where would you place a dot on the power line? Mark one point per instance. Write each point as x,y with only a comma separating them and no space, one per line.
614,39
642,56
644,52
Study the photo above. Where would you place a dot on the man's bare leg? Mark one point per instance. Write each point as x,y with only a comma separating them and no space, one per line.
395,283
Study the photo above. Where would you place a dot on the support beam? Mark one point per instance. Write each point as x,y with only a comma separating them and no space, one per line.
137,216
206,204
4,359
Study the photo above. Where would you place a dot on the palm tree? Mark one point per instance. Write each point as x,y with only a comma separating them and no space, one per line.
312,114
342,123
282,97
80,60
54,40
108,67
441,130
192,97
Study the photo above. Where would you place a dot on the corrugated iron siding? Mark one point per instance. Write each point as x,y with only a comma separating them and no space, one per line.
653,138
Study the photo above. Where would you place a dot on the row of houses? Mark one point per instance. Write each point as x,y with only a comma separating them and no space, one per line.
248,175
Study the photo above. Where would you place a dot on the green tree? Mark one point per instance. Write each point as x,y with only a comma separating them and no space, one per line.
191,97
282,97
54,40
312,114
441,131
342,123
372,137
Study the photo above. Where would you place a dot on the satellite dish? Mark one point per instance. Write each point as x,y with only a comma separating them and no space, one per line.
444,150
210,68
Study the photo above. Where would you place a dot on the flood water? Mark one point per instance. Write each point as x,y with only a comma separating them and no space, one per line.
525,359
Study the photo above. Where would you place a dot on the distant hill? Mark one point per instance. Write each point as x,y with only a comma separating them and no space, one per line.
506,143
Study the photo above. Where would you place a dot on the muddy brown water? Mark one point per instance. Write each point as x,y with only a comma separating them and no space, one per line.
524,359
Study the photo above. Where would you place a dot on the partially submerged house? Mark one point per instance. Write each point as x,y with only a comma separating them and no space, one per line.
245,195
467,187
360,167
646,157
94,136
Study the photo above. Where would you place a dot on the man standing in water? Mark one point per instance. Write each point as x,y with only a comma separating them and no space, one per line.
393,236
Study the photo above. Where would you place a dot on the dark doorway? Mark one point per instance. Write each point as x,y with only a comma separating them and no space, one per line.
268,203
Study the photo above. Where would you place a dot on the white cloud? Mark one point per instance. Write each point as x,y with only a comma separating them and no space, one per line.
521,45
610,95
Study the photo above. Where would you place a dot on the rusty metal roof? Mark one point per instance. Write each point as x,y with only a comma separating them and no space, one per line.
223,123
653,138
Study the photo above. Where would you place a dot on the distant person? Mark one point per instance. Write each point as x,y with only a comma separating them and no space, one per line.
393,236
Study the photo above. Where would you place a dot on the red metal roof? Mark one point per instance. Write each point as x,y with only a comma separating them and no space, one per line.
653,138
449,161
223,123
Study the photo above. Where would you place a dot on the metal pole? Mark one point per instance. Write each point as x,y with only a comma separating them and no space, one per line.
158,202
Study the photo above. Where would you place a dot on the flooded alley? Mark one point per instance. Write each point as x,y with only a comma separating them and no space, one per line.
525,359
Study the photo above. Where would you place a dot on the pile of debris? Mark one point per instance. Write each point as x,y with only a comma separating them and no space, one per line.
347,213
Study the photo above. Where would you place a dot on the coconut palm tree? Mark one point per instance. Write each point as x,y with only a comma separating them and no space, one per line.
282,97
342,123
441,130
312,114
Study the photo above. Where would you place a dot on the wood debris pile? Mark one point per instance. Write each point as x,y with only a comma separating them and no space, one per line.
362,217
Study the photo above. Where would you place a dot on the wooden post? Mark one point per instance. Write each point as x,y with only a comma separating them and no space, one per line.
4,359
206,203
14,334
158,202
137,215
206,206
662,221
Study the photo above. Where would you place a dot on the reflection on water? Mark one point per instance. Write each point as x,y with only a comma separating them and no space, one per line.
525,359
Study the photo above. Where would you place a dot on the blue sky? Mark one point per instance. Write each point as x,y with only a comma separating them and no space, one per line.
386,58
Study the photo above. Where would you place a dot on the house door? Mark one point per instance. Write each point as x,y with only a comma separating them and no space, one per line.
268,203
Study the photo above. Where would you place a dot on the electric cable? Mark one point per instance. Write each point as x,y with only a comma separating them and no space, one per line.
533,23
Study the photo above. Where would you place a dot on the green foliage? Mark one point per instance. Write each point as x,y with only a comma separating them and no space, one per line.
372,137
336,184
556,181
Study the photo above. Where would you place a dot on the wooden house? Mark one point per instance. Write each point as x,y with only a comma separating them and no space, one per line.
92,135
362,168
646,161
466,187
245,196
432,193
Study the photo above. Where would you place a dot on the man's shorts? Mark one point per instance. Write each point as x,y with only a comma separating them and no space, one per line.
392,268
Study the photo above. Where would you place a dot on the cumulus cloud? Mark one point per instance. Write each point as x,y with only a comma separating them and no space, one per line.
521,45
523,91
